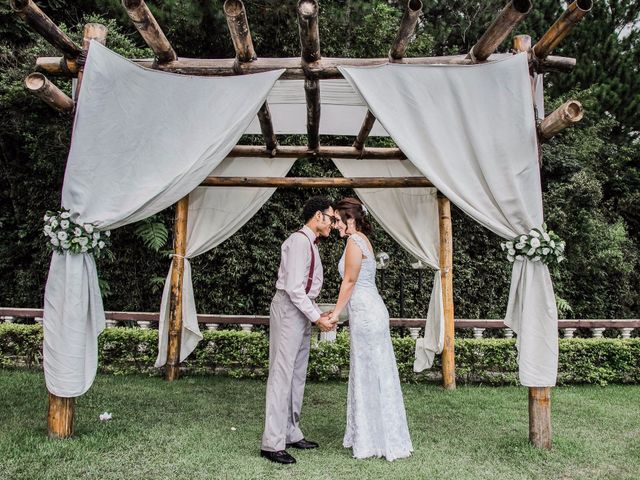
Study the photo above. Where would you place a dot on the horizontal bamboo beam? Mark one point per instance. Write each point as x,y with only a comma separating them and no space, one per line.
148,27
561,28
365,130
239,29
368,153
325,68
41,23
42,88
564,116
407,27
512,14
318,182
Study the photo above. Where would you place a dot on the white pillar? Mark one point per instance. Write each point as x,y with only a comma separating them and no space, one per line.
328,336
477,332
111,323
212,326
144,324
597,332
626,332
38,320
414,332
508,333
7,319
568,332
246,327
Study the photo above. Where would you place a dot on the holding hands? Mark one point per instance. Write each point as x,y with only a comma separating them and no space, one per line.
327,322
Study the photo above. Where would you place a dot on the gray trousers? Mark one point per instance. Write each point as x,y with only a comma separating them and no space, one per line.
289,343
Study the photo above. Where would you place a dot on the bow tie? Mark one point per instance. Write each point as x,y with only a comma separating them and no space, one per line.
317,240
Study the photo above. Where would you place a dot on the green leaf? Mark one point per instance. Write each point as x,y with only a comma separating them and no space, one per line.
153,233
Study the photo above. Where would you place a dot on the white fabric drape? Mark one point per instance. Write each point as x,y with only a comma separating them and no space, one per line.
471,131
410,216
215,213
142,140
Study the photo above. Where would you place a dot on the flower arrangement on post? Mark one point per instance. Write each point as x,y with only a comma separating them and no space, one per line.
538,246
65,235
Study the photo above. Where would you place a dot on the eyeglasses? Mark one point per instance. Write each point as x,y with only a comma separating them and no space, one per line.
332,219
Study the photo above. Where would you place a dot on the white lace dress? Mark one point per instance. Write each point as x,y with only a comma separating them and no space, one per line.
376,419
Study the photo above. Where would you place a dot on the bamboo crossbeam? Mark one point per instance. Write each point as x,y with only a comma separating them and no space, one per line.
41,87
369,153
318,182
407,27
365,130
325,68
564,116
41,23
239,30
310,53
561,28
146,24
512,14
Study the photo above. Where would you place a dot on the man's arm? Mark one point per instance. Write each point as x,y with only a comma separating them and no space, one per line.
297,258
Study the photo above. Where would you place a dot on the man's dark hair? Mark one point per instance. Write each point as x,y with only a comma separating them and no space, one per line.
313,205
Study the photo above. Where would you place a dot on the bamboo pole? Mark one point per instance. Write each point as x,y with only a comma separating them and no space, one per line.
365,130
239,29
175,306
561,28
540,417
405,32
41,87
325,68
148,27
310,53
312,95
60,410
446,277
521,43
297,151
564,116
512,14
318,182
243,45
60,416
41,23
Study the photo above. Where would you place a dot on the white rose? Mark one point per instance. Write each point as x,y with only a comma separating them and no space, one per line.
84,250
64,224
523,238
88,227
54,223
53,235
47,229
510,258
511,251
65,244
534,234
535,242
107,233
545,251
552,244
77,231
531,251
46,218
94,242
503,246
65,215
561,246
101,244
55,242
83,241
520,245
62,235
96,235
546,236
509,245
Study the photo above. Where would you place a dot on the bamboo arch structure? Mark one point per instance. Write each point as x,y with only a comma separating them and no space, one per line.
311,67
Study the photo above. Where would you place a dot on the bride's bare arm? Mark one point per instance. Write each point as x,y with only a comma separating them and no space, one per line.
352,264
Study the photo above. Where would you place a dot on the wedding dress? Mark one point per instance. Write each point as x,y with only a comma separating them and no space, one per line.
376,419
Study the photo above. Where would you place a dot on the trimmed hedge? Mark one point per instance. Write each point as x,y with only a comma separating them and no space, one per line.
245,355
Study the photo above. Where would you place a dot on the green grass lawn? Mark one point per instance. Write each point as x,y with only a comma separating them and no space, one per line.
210,427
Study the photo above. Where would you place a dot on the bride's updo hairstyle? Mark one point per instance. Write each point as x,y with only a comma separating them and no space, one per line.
352,208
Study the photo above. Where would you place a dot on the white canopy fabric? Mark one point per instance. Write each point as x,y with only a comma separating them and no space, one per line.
214,215
142,140
471,131
410,216
343,109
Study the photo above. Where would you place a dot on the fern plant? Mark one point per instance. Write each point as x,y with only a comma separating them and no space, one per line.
153,232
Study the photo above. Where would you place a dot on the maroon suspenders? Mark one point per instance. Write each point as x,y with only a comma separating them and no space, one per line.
307,289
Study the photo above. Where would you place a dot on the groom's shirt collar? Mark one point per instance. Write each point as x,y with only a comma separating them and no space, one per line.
309,233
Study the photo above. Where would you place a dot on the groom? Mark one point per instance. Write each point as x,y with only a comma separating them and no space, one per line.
293,310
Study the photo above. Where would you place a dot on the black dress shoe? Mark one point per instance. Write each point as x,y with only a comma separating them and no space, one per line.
303,444
281,456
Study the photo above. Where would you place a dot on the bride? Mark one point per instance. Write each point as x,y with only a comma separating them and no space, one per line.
376,419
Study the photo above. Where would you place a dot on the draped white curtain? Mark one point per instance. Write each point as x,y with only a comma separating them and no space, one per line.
215,213
142,140
471,131
410,216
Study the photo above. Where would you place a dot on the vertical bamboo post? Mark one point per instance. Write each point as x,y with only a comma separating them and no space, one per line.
540,417
177,275
539,397
92,31
61,410
446,276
